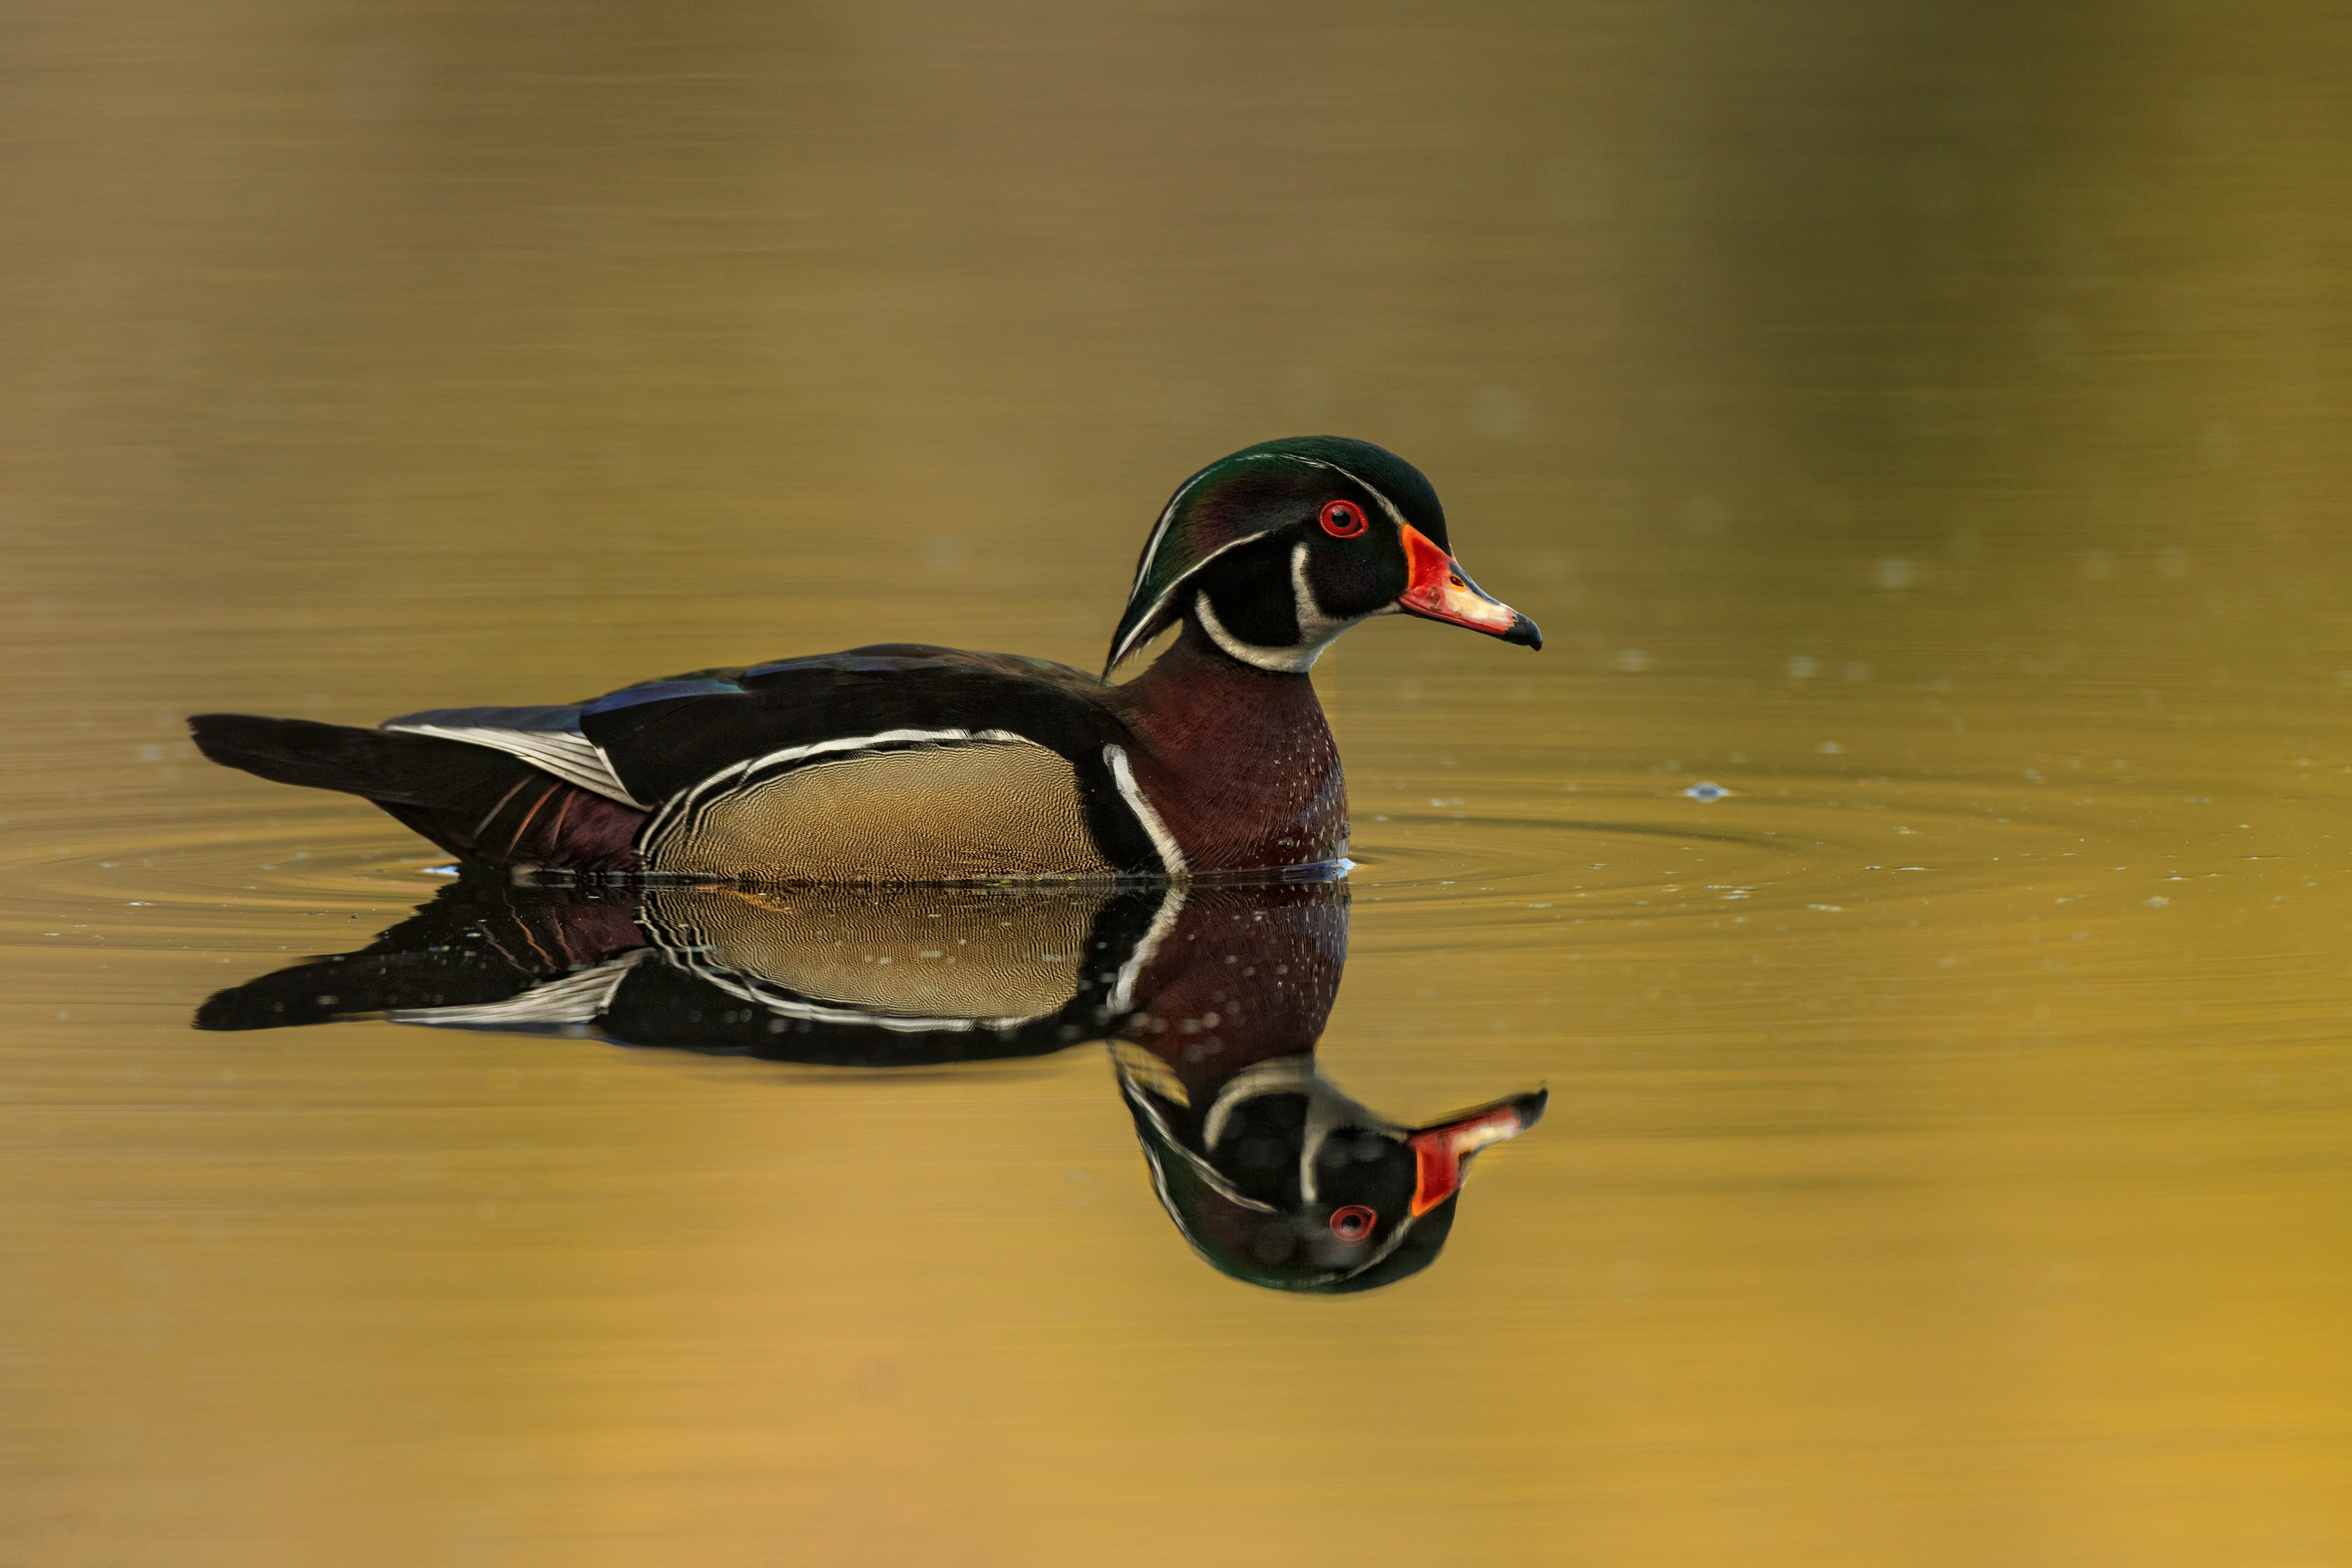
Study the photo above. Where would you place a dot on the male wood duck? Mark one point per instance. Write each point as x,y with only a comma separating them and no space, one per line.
1214,996
903,763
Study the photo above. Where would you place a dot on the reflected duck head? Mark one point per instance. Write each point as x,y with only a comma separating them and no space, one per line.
1282,1180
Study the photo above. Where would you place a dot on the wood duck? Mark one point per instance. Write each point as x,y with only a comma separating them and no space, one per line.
1213,995
908,763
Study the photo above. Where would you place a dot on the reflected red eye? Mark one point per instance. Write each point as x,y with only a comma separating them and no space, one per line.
1342,519
1355,1222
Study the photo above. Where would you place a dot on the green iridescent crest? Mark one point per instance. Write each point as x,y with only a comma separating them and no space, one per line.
1253,492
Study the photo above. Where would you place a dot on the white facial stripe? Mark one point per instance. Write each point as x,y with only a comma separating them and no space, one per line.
1132,637
1387,505
1291,1073
1327,1110
1160,532
1275,1076
1277,661
1159,529
1315,629
1171,855
1139,1097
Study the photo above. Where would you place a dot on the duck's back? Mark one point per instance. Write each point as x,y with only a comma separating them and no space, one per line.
898,762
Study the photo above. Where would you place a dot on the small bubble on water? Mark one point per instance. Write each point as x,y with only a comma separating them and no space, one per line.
1498,412
2219,443
1706,790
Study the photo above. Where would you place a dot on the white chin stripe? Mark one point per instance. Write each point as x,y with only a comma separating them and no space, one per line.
1315,629
1279,660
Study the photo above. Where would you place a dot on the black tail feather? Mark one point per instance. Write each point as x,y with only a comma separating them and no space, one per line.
482,804
472,944
387,767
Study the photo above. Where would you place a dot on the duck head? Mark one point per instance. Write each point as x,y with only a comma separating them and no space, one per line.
1277,549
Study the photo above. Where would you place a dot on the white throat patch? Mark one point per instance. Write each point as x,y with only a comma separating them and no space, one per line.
1315,629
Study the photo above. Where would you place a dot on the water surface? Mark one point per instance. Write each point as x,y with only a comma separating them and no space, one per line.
1924,428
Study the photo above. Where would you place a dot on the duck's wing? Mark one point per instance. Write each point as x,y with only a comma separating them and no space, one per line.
665,736
795,700
549,739
959,731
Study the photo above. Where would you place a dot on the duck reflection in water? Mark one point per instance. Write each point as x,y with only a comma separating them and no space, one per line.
1212,998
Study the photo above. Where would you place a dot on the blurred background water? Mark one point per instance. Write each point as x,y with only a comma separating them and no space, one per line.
1926,424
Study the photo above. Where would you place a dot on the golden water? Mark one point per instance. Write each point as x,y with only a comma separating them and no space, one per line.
1928,425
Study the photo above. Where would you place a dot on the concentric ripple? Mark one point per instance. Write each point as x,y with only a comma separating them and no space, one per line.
1639,855
1630,854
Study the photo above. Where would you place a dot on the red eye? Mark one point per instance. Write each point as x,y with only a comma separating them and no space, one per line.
1342,519
1355,1222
